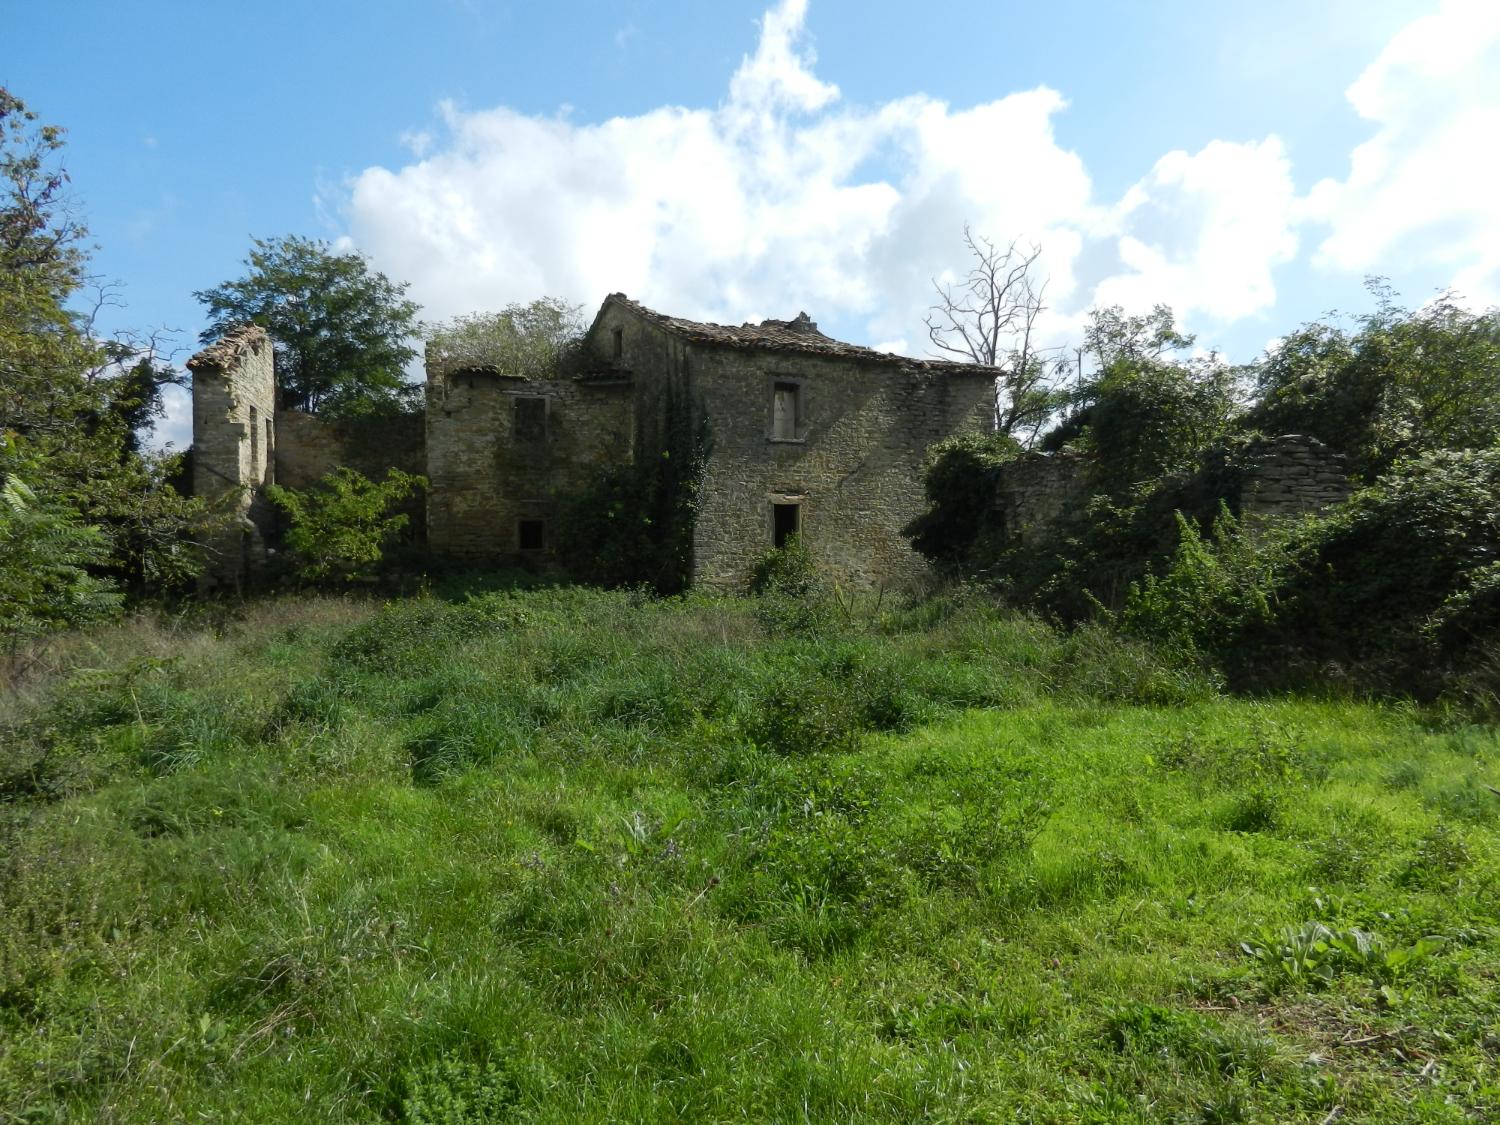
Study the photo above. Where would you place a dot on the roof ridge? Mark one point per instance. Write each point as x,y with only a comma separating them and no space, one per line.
800,334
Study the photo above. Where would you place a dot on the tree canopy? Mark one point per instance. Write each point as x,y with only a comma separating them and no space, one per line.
342,331
530,340
83,509
1399,383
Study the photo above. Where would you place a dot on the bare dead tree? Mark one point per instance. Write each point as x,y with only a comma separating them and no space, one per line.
990,318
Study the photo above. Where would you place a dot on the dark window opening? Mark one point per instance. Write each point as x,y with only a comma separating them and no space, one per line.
786,411
786,521
619,335
255,445
530,535
531,419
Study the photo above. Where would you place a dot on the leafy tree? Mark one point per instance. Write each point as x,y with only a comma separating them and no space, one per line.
1398,384
1143,411
1113,336
340,527
68,403
46,552
341,330
531,340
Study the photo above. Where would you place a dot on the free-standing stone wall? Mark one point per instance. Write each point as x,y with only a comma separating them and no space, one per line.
1292,475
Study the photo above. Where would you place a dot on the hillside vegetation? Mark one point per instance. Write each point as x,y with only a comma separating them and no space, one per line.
565,855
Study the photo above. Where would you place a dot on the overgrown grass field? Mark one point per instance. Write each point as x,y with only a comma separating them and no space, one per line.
562,855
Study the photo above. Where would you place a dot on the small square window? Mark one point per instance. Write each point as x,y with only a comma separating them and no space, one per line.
786,411
531,535
786,521
531,418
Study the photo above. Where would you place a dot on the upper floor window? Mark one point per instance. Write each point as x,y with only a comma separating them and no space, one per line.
786,411
619,339
530,418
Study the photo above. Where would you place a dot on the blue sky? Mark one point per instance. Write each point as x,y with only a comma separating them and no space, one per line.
1247,163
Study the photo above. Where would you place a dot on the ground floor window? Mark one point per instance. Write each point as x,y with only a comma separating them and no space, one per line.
531,535
786,521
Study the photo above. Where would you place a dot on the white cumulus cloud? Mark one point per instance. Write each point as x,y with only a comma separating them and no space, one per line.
784,197
1423,188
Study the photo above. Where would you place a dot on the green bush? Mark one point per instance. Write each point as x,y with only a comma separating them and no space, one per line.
1398,584
340,527
959,480
1211,592
45,584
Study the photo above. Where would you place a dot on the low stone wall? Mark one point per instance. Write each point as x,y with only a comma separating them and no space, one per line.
1287,476
1036,490
1292,475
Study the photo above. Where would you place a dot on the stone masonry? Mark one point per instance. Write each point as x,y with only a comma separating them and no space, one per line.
502,451
1286,476
234,448
1292,475
805,435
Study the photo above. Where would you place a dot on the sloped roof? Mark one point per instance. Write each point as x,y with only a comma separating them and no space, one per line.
797,335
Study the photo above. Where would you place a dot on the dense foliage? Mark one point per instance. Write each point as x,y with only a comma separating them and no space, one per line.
1393,591
532,341
1399,384
342,331
86,511
338,529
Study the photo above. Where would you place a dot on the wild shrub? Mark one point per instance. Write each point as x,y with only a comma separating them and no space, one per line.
957,530
458,1091
1397,582
47,555
791,597
339,528
1211,591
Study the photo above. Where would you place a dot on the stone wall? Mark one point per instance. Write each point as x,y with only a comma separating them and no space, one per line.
234,449
502,451
853,467
1036,490
1292,475
311,447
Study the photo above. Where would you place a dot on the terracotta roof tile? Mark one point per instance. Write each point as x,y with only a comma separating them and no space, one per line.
228,348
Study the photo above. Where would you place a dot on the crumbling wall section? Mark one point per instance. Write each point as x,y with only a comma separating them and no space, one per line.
1291,475
312,447
234,450
1037,490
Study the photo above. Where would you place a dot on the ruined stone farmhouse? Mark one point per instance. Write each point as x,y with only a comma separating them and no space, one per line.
799,434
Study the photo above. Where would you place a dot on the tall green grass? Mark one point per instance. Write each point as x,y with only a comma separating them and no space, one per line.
563,855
